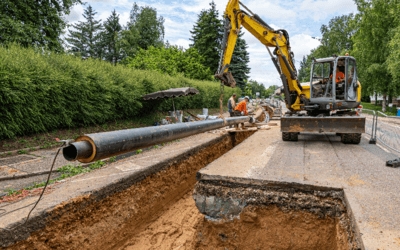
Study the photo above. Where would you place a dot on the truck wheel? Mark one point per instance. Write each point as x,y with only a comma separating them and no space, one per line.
357,138
285,136
351,138
294,136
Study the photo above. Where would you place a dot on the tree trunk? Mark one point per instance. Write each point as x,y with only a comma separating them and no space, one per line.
376,99
384,103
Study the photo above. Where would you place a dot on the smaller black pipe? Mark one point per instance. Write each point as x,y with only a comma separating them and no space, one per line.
79,149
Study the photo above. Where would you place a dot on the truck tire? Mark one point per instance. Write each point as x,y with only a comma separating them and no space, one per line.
285,136
351,138
294,136
288,136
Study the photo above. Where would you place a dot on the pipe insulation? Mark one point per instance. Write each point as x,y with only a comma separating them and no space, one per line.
94,147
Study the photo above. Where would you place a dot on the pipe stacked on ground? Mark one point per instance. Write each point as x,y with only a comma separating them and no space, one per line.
93,147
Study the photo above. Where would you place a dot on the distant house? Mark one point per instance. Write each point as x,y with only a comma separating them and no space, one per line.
395,101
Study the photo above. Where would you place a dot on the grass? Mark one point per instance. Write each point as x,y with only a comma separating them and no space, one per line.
67,171
371,106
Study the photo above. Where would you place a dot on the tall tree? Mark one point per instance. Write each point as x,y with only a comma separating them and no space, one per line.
207,35
109,38
77,39
303,74
336,36
336,39
85,38
38,22
375,22
144,29
240,61
394,54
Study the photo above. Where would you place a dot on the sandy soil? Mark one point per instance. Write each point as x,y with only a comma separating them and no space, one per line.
175,229
183,227
270,228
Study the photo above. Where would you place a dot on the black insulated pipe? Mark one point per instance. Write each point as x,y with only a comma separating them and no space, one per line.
93,147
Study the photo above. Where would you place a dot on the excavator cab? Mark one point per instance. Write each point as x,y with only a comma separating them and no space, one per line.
334,85
334,92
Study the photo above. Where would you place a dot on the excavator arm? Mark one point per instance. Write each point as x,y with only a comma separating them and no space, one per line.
277,39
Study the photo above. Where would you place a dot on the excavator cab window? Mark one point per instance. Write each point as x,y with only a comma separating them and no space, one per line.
321,82
351,80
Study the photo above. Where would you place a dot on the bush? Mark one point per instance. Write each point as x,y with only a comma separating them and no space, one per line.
44,91
172,61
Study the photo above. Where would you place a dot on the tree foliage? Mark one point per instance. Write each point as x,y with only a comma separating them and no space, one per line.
172,61
336,39
375,23
144,30
110,37
34,23
393,61
86,37
207,35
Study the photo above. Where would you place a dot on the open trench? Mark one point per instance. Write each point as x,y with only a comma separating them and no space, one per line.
159,212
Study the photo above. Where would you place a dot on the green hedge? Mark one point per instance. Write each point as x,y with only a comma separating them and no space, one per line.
45,91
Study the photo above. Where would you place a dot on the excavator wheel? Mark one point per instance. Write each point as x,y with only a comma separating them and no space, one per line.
285,136
288,136
294,136
351,138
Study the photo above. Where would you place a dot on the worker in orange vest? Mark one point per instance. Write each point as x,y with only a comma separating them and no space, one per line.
241,108
339,75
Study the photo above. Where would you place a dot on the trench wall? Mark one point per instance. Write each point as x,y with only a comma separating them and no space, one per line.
106,218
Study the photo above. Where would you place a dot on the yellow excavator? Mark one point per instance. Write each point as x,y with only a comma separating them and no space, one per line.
324,105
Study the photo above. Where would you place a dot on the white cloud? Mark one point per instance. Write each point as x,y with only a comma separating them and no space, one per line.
302,45
181,42
319,9
75,14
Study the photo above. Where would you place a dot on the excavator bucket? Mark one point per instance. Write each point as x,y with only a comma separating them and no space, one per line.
227,79
334,124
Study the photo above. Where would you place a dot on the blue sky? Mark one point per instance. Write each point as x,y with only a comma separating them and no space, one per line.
301,18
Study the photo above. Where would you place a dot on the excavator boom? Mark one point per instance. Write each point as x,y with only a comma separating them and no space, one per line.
235,18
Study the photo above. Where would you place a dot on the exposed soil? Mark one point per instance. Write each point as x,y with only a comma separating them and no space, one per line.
110,223
261,227
175,229
182,226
